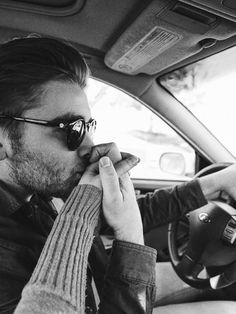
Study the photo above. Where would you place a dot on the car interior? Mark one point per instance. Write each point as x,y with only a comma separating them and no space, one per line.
134,47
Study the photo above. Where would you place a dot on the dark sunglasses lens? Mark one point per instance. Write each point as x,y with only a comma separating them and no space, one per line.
75,134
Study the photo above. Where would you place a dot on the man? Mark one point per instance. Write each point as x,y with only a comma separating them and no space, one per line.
41,91
46,141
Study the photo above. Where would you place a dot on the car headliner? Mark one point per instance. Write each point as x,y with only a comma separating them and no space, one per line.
94,27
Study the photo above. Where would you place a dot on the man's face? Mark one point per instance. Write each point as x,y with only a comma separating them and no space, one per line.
41,161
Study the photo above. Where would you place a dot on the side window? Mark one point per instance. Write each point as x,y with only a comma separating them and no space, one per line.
137,130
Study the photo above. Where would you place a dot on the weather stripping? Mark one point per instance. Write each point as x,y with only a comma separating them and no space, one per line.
45,7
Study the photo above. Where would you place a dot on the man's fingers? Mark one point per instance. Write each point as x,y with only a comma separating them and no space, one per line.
125,165
109,179
107,149
126,155
123,161
93,168
89,175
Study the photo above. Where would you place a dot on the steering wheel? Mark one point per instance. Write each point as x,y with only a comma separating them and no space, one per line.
211,242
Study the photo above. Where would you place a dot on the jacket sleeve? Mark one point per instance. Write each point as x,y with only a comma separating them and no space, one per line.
129,285
166,205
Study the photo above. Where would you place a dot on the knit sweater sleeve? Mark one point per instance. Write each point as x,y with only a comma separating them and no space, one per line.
58,282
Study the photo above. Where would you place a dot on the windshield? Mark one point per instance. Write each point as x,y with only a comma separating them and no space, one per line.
208,89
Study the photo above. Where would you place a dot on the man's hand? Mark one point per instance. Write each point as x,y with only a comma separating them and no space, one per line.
107,149
91,174
224,180
228,180
120,208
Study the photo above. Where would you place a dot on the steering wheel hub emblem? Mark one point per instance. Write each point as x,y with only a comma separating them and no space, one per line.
204,217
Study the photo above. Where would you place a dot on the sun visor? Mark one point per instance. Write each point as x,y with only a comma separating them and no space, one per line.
165,33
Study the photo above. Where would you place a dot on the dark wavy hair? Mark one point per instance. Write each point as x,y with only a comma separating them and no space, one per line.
27,64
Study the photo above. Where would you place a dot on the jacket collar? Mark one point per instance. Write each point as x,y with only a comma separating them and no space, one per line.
9,203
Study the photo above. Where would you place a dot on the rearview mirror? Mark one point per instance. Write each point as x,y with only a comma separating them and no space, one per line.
173,163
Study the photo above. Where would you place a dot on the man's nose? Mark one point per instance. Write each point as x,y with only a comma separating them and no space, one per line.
84,150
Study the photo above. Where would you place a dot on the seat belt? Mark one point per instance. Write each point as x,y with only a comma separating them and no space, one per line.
98,261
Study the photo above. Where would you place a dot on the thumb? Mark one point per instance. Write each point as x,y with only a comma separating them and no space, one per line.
109,178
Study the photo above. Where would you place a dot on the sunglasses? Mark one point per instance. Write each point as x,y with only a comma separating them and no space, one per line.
75,130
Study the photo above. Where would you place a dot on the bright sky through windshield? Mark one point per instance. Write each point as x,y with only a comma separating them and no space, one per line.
208,89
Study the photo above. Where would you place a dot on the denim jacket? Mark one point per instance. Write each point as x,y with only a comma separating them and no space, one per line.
23,232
